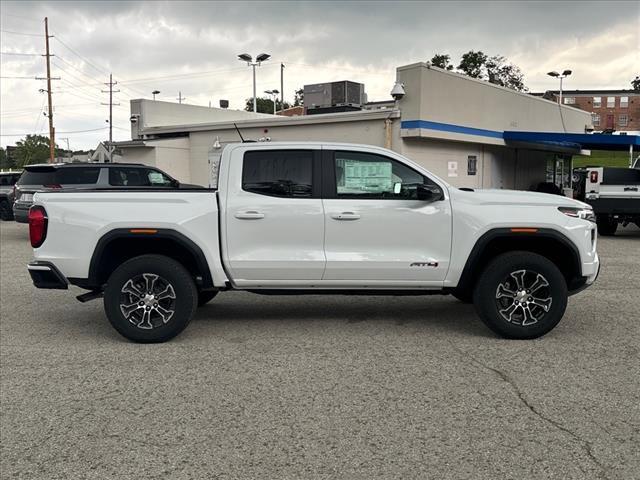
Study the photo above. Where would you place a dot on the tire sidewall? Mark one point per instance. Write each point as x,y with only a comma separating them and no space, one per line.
497,271
170,270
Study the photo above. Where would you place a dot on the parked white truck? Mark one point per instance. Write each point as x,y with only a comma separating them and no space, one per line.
305,218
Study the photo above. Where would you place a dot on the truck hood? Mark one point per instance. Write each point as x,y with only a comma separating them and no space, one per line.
515,197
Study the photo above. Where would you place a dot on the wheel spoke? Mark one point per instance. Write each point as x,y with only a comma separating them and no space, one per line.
145,323
538,284
150,280
129,309
544,303
166,293
129,287
164,313
504,292
518,276
529,319
508,312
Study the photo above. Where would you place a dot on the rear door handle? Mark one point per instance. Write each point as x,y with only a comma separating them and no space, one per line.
345,216
249,215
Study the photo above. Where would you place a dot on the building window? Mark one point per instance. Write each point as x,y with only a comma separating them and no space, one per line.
623,120
595,118
597,102
624,102
569,100
611,102
472,164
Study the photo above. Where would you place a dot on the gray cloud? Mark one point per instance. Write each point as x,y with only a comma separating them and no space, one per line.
143,43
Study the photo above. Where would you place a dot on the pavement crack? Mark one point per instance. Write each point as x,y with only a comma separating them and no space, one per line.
586,446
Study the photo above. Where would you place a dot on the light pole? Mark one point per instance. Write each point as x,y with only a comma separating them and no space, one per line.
245,57
564,74
154,93
274,95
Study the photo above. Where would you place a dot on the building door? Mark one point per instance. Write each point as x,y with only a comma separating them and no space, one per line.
610,125
274,218
386,224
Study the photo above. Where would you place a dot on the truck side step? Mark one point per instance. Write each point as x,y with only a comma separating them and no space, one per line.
85,297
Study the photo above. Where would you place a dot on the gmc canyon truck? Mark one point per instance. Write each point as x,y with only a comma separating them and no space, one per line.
303,218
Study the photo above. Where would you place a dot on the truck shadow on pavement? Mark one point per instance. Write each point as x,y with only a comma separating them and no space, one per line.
425,312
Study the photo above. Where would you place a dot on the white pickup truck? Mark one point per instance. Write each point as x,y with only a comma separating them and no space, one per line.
305,218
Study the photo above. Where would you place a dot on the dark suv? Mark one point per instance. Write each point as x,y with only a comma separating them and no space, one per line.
38,178
7,181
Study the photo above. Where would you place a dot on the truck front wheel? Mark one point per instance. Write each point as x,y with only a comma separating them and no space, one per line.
521,295
150,298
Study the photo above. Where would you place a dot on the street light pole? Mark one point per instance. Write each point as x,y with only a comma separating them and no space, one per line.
255,101
245,57
274,96
562,76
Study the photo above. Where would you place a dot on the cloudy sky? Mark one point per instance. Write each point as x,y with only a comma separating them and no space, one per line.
191,47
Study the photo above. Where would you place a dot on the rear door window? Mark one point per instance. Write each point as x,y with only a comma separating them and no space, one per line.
278,173
37,177
138,177
77,175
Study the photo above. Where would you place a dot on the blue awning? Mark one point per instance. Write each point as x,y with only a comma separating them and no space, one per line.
588,141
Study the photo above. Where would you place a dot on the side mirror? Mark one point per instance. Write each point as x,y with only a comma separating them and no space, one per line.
175,183
428,193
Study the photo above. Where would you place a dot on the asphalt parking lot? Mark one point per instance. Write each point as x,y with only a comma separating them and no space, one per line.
320,387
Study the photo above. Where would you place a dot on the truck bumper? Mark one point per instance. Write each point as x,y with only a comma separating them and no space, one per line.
591,272
46,275
21,212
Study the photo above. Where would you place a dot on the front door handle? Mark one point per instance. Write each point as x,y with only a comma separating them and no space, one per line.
249,215
345,216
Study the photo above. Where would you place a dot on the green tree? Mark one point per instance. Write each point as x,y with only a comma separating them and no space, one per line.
265,105
473,64
298,100
500,72
5,161
441,61
32,149
635,83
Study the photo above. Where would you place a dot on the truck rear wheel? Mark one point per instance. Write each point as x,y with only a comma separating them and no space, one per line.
521,295
607,225
150,298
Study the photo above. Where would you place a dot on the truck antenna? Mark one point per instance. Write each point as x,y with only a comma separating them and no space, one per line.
240,134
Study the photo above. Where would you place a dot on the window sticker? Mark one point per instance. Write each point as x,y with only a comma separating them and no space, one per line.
366,177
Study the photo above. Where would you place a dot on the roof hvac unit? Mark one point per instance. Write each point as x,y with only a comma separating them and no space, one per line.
322,95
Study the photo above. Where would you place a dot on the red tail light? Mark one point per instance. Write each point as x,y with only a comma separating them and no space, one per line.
593,177
37,225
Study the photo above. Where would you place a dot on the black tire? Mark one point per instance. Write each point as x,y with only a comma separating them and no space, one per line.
6,213
206,296
174,293
465,296
514,316
607,225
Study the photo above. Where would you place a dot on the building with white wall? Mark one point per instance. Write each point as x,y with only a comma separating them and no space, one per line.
451,124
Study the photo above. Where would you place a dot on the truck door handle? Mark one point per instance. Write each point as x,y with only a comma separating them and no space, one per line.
345,216
249,215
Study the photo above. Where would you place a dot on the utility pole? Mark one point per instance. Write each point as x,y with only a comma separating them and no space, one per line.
282,86
111,91
52,132
180,97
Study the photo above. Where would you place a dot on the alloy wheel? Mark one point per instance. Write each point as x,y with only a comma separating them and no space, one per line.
147,301
523,298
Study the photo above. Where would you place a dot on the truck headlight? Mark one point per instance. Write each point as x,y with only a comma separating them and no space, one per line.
583,213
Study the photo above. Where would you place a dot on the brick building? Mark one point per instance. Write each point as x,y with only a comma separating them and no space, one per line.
611,110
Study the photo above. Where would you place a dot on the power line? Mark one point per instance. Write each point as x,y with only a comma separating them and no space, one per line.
22,54
63,133
19,78
22,33
101,70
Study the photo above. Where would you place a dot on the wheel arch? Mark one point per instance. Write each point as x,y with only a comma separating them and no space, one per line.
119,245
546,242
